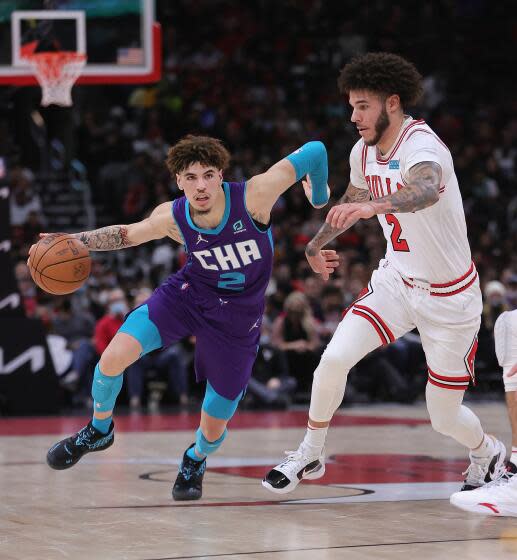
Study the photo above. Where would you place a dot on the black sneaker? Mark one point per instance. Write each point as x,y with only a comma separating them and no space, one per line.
67,452
511,468
189,482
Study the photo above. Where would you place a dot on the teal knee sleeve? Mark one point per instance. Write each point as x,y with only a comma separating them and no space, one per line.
105,390
218,406
205,447
311,159
139,326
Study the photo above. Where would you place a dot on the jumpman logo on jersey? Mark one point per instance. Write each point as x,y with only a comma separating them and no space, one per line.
201,238
255,325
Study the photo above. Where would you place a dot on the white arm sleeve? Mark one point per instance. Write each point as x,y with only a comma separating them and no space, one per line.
356,172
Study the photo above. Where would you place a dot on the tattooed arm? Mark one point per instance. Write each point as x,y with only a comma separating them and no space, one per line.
159,224
106,239
325,261
327,232
420,191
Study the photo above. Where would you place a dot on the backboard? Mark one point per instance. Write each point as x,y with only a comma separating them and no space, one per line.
120,38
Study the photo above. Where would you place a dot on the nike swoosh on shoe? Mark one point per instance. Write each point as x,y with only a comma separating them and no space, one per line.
311,467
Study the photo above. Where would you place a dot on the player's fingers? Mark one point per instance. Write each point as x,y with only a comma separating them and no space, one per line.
337,218
328,252
331,213
345,220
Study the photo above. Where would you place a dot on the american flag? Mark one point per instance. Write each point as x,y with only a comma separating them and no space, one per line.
131,55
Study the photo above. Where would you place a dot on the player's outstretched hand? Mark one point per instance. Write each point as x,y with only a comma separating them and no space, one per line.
307,187
344,216
324,262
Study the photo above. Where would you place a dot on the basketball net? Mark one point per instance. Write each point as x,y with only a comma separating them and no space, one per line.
56,73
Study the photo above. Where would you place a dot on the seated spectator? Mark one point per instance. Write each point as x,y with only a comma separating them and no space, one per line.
494,304
270,385
313,289
24,199
396,372
295,332
89,351
332,308
76,329
170,361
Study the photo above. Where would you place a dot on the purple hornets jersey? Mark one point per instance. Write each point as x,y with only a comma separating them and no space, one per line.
235,259
218,296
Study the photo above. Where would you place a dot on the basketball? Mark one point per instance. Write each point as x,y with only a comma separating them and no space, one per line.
59,263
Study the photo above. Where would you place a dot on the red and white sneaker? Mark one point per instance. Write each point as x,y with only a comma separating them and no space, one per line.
498,497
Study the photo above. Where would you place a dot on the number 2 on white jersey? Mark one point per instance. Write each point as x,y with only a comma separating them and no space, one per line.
399,244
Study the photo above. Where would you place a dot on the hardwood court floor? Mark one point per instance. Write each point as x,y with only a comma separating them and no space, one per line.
385,493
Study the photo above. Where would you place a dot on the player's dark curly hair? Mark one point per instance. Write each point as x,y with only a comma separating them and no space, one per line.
382,73
197,149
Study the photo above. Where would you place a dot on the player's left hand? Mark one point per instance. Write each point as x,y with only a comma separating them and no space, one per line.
307,187
344,216
324,262
513,371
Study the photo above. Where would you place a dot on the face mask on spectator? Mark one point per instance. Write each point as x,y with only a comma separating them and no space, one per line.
118,308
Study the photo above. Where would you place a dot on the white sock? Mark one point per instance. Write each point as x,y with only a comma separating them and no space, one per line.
513,456
485,449
314,440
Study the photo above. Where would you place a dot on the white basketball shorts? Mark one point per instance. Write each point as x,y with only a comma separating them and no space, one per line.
447,317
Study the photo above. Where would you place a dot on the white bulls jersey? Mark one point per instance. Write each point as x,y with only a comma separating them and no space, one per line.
430,244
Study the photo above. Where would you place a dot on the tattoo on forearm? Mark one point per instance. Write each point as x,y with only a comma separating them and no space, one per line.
105,239
420,191
326,233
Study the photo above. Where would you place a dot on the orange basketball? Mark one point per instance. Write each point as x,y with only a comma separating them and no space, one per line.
59,263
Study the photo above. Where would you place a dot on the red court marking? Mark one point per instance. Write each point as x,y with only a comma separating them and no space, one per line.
185,421
368,469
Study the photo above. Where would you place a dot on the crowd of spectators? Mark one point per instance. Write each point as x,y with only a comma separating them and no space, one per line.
261,76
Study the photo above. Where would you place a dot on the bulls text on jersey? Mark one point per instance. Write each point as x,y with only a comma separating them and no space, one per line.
381,186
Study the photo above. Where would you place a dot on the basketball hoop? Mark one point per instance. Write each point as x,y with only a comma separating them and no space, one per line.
57,72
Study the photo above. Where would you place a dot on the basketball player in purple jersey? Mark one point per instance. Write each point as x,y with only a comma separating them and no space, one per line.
218,296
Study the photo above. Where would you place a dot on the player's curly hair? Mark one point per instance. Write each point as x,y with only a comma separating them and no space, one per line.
191,149
382,73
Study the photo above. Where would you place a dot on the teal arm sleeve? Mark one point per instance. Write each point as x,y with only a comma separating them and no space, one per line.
311,159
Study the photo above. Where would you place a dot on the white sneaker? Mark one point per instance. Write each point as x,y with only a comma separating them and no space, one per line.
298,466
495,498
485,469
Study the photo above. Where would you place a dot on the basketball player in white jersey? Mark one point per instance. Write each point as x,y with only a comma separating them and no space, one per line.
402,173
500,497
